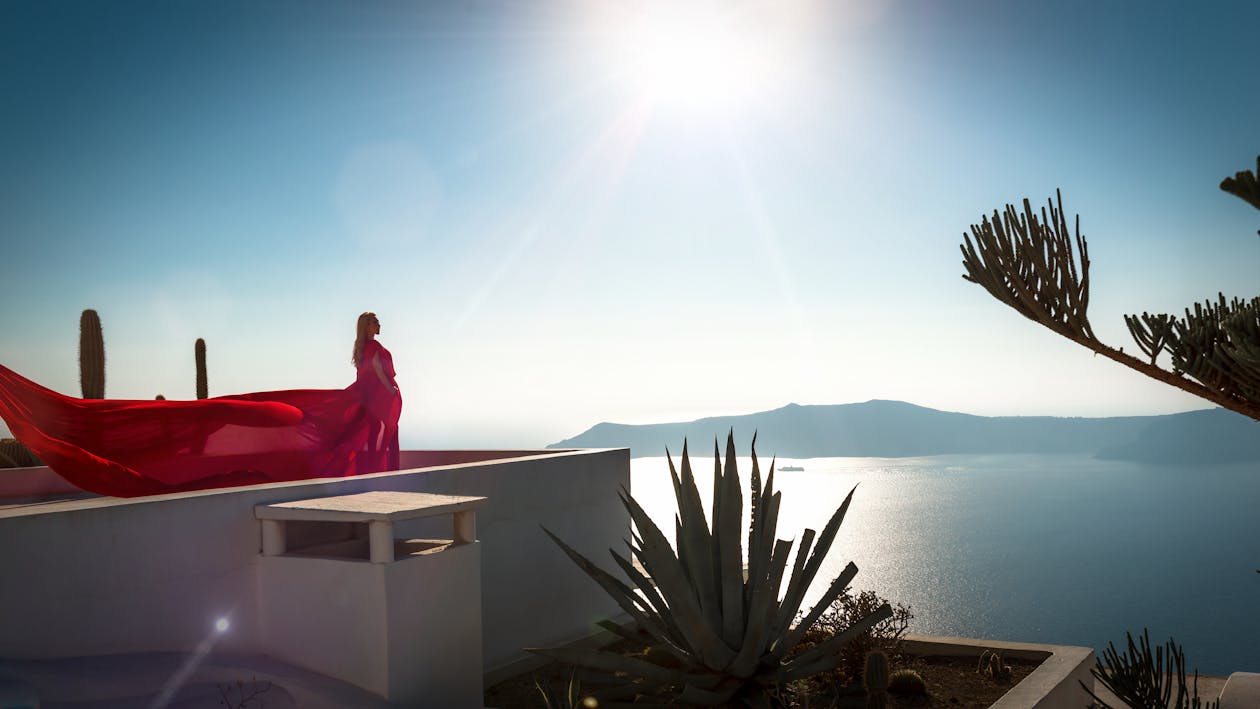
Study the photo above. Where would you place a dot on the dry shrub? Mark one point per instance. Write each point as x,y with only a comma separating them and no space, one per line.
885,636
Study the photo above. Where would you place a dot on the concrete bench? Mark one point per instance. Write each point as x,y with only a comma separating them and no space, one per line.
378,509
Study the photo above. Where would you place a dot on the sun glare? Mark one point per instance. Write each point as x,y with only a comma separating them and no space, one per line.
700,56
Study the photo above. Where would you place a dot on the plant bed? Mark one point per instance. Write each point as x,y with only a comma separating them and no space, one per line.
952,681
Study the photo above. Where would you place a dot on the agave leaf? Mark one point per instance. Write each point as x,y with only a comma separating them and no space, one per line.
645,677
612,662
767,533
728,531
572,691
796,593
670,635
838,584
764,594
759,551
636,541
543,692
787,610
613,586
715,552
826,655
607,695
770,504
635,634
673,473
718,696
631,692
828,536
640,580
658,558
695,542
756,518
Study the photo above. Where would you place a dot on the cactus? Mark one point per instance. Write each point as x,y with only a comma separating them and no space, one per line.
15,455
91,356
199,353
907,682
993,666
875,677
1141,678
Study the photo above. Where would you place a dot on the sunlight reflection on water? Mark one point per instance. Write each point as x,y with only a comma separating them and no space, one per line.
1058,549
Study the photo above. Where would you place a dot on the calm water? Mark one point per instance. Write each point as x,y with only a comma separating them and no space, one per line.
1057,549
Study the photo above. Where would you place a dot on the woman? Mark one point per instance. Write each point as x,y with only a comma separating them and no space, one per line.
379,395
129,448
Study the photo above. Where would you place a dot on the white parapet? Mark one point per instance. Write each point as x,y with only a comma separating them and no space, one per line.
104,576
1241,691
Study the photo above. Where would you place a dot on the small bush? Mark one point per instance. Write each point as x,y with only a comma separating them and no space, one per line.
885,636
846,678
907,682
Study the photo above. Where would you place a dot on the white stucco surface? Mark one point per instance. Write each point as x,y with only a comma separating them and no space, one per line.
172,573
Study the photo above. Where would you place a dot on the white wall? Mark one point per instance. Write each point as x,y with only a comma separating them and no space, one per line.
109,575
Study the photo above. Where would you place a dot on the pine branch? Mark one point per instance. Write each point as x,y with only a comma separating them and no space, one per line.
1029,264
1220,346
1244,185
1150,332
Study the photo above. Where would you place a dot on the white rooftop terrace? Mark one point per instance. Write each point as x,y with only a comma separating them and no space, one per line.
97,582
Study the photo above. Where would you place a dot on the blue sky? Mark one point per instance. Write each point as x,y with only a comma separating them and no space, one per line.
554,235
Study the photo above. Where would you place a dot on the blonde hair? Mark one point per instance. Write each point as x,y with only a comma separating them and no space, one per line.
361,336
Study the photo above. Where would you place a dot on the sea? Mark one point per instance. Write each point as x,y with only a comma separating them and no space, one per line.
1060,549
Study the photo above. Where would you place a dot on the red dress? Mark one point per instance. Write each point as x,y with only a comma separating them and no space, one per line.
384,406
128,448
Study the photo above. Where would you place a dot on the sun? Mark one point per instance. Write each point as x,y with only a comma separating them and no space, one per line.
697,56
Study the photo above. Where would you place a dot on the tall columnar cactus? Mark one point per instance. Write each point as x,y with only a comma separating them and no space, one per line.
719,635
91,356
875,677
15,455
1147,680
199,353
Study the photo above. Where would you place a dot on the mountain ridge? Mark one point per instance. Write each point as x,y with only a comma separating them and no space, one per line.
897,429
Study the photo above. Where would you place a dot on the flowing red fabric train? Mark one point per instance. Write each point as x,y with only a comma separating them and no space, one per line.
128,448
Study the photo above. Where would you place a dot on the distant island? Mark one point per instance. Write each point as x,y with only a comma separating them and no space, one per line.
896,429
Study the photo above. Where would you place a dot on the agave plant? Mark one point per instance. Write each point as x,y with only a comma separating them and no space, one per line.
717,634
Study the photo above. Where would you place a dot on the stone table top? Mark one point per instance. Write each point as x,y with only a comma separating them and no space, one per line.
377,505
